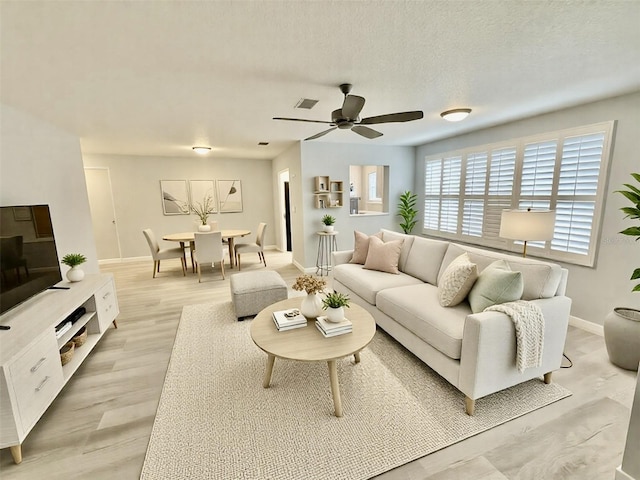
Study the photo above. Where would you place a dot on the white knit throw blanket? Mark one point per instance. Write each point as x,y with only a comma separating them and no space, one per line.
529,323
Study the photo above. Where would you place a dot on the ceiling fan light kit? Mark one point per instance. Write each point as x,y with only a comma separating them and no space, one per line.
456,114
348,117
201,150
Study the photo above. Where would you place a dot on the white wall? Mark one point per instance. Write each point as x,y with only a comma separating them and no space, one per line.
333,159
40,164
595,291
136,192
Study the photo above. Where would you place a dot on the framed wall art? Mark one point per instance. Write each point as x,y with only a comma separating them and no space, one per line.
230,196
175,200
200,190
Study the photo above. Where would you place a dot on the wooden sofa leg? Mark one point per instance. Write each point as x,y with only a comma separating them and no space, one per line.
470,406
547,378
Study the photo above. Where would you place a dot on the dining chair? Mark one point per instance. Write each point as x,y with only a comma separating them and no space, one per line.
209,250
257,247
163,254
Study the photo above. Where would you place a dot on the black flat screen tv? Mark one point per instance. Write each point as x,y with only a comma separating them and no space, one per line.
28,256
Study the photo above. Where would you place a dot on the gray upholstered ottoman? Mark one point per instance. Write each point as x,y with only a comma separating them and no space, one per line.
253,291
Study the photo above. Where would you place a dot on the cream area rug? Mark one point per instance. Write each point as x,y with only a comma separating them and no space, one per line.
216,421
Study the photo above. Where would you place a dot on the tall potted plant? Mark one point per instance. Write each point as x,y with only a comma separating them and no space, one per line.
622,326
407,210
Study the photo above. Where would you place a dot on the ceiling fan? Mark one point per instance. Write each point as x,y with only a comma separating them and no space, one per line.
347,117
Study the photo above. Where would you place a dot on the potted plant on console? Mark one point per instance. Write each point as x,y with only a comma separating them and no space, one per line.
328,222
203,210
622,325
335,303
74,260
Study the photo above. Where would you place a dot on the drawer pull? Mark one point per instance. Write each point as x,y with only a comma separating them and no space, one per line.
39,387
38,365
104,297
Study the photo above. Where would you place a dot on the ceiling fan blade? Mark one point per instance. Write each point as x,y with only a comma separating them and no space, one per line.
393,117
301,120
352,106
366,131
318,135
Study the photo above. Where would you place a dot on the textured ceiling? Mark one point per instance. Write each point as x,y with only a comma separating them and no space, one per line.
156,77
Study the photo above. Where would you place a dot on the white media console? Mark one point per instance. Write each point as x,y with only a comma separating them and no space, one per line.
31,373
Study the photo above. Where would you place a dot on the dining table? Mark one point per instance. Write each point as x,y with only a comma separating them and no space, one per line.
189,237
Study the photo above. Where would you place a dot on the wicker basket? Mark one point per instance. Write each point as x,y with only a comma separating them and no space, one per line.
80,337
66,353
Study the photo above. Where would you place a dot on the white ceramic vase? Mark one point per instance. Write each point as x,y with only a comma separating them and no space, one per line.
335,315
311,306
328,228
204,228
75,274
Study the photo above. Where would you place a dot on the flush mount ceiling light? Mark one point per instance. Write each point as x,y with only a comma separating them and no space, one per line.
201,150
456,114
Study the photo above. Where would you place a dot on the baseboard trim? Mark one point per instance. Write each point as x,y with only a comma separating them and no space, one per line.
622,475
586,325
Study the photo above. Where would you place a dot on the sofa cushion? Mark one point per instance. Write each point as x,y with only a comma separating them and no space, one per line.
416,308
383,256
389,235
361,246
541,279
496,284
367,283
456,281
425,258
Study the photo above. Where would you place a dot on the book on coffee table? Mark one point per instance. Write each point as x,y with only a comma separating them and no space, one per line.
331,329
288,319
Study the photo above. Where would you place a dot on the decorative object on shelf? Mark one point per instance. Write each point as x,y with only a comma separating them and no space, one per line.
230,195
80,337
203,210
174,197
66,352
311,306
622,325
328,222
335,303
74,260
327,193
407,210
527,225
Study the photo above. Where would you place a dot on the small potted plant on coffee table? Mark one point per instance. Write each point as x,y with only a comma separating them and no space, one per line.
334,303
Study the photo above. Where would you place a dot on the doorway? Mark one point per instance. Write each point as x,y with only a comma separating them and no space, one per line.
285,211
103,214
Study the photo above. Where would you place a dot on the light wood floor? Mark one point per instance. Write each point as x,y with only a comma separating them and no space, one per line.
99,426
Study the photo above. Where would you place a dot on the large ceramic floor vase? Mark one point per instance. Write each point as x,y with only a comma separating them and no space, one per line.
622,337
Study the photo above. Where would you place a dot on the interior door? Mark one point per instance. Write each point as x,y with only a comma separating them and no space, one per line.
103,216
287,215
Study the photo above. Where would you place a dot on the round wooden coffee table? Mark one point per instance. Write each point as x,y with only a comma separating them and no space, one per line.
307,344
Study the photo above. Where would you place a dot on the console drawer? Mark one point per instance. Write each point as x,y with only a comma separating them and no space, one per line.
37,378
106,305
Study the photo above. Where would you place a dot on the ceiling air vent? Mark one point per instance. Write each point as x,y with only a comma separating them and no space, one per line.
306,103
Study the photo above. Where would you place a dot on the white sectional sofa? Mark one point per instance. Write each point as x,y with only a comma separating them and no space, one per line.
475,352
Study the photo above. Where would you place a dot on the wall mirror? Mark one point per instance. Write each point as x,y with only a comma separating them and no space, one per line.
368,189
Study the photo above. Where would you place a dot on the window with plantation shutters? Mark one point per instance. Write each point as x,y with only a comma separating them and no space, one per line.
466,191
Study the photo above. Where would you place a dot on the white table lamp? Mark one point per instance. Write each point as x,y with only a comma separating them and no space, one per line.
527,225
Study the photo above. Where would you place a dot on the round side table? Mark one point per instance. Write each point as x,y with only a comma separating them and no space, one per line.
327,244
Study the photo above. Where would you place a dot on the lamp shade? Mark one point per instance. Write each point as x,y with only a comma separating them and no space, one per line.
527,224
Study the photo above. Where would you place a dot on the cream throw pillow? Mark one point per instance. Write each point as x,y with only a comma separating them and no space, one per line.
383,256
496,284
456,281
361,246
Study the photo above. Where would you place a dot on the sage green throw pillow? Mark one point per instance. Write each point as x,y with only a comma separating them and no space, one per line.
496,284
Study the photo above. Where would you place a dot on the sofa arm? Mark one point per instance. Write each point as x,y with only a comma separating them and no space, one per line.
488,359
341,256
